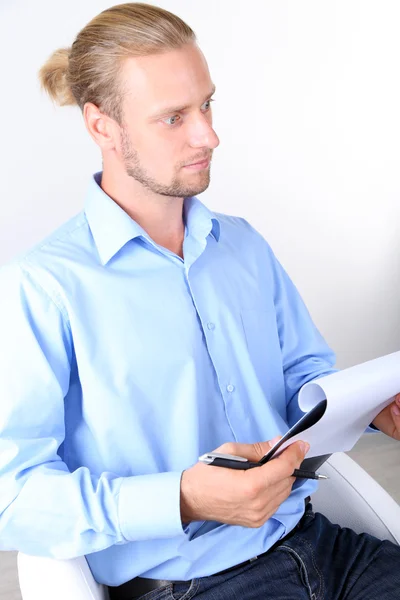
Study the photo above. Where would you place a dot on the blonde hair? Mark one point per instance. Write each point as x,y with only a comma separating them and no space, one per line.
90,70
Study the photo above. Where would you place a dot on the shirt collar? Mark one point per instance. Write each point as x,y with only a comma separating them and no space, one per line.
112,227
199,220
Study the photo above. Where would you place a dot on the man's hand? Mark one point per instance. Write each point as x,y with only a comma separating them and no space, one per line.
388,419
247,498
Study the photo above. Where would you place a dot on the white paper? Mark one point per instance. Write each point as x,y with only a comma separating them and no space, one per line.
354,397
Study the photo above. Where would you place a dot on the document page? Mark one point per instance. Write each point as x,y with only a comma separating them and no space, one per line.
354,397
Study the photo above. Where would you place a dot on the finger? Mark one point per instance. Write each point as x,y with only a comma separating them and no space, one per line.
260,449
396,406
253,452
295,454
290,459
388,421
274,441
395,410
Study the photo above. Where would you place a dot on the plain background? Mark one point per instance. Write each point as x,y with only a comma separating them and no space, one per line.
307,110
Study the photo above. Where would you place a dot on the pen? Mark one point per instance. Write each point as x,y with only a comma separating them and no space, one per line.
300,474
230,461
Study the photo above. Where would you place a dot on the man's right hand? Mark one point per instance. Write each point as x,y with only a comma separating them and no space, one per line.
248,498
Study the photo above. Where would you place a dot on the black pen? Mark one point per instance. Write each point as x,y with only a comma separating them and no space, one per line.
229,461
301,474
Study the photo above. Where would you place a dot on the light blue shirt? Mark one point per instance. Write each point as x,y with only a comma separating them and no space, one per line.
121,363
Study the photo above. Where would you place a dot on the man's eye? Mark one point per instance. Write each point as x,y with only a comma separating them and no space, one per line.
207,105
172,120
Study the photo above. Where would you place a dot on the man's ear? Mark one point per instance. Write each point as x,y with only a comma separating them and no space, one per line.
103,130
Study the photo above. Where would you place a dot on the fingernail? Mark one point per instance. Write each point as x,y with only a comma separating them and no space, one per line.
396,410
304,447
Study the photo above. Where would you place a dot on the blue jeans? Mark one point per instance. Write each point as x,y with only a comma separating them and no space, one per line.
321,561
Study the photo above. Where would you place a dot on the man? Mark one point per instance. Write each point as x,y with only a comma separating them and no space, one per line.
147,331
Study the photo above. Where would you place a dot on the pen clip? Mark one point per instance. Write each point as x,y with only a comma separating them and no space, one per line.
209,457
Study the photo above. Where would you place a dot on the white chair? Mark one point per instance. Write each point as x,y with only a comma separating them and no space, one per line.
350,497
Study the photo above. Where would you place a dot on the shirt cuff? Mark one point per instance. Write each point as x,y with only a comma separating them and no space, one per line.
149,506
371,429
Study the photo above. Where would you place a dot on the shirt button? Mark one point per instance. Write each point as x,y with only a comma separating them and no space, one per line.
211,326
230,388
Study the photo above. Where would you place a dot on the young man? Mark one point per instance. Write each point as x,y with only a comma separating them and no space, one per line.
149,330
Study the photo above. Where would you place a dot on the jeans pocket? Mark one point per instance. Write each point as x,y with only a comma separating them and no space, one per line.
184,591
302,570
163,593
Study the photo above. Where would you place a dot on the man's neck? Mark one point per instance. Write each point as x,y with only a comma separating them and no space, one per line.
160,216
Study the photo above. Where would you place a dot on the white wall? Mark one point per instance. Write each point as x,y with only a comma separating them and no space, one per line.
307,111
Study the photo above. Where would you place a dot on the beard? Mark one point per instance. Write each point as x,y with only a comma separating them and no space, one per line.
177,188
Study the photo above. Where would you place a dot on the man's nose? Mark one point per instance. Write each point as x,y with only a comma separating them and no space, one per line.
202,134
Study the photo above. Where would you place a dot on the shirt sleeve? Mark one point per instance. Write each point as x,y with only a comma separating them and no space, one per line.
45,509
305,354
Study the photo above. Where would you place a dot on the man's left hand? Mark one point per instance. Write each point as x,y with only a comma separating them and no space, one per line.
388,420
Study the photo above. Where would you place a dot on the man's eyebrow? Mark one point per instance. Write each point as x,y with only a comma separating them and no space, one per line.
176,109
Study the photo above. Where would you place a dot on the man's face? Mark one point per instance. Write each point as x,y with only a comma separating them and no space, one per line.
167,122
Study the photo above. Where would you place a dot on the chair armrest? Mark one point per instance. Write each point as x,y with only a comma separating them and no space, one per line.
50,579
352,498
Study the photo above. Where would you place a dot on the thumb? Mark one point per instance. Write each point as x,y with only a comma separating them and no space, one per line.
253,452
283,465
292,457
